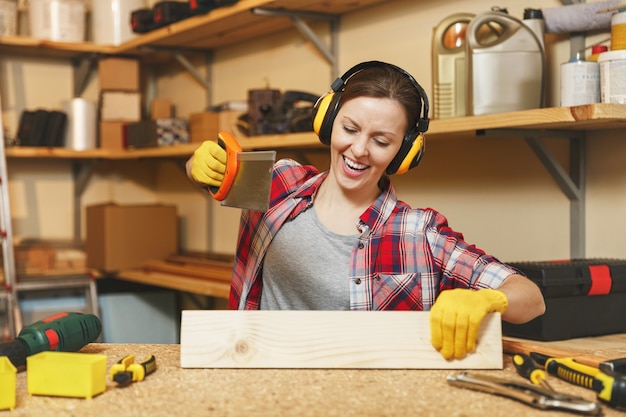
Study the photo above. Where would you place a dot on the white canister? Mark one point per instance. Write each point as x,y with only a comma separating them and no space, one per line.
8,17
110,20
57,20
80,132
613,76
580,82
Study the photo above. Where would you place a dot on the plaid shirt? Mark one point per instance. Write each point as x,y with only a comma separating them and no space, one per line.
403,258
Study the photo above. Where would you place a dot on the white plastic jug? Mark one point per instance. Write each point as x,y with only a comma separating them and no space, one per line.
505,63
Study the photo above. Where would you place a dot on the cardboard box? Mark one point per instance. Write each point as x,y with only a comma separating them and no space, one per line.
120,106
160,132
126,236
161,109
112,135
205,126
118,74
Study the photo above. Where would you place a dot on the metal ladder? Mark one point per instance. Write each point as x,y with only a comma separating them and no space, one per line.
9,290
10,287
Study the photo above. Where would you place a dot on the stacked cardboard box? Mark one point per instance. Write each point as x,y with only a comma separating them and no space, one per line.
120,99
126,236
206,125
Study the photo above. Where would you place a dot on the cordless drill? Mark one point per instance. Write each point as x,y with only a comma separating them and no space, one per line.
63,332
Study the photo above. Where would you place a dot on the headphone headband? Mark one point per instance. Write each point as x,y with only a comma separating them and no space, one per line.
339,84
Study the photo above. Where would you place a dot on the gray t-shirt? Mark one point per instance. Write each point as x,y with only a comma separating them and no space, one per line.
307,267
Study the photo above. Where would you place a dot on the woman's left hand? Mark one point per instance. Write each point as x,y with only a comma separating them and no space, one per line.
456,316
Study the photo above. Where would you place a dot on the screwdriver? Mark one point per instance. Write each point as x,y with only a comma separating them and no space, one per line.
529,369
610,388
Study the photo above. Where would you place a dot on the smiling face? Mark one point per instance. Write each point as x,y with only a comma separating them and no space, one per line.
366,135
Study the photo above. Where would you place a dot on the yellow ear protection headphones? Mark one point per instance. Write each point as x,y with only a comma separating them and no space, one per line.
413,145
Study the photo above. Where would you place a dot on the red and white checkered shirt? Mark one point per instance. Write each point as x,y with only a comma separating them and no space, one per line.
402,260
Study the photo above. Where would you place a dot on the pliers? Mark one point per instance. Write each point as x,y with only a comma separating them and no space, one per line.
126,370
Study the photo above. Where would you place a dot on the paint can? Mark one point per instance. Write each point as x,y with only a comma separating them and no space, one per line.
613,76
580,82
110,20
57,20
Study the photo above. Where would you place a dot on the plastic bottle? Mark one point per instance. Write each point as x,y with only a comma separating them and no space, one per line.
596,50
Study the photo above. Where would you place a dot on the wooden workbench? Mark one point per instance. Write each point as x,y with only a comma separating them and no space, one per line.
173,391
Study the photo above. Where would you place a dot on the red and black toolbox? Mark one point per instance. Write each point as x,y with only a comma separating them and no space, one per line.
584,297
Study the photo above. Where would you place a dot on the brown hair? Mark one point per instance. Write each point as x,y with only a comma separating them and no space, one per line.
384,81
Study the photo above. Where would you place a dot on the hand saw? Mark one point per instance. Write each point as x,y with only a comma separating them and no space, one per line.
248,177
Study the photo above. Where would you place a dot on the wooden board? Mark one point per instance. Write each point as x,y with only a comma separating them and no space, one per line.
588,351
177,282
325,339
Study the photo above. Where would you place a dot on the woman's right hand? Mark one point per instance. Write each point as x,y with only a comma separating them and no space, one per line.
208,164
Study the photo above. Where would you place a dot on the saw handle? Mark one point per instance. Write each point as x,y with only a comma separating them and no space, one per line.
228,142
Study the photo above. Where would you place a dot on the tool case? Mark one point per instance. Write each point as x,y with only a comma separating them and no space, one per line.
584,297
142,20
205,6
168,12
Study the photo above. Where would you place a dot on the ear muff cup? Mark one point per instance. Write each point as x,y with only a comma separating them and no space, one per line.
413,144
324,116
409,155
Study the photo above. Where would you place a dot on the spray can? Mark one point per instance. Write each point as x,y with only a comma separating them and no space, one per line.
580,82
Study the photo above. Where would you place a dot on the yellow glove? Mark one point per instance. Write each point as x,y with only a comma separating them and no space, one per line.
456,316
209,164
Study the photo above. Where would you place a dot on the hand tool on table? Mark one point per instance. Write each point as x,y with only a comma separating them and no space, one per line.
532,395
610,387
248,177
607,377
126,371
63,332
531,370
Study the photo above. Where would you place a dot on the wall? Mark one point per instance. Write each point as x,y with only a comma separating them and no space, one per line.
493,189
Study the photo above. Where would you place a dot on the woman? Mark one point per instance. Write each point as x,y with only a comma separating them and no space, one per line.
341,239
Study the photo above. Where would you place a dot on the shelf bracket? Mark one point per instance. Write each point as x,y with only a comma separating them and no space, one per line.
206,81
81,171
572,183
297,17
83,67
183,61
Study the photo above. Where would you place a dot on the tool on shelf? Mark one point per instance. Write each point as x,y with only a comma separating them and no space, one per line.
126,371
63,332
530,394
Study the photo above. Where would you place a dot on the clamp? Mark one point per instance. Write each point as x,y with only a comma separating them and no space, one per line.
126,370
